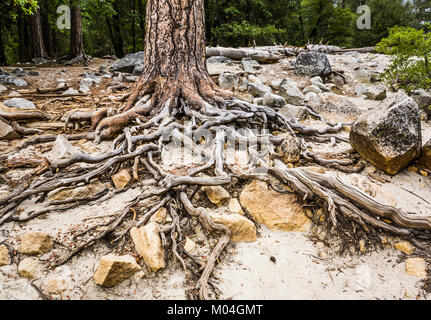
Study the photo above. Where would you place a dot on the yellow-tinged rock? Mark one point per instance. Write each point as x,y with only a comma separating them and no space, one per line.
275,210
362,246
404,246
121,179
4,255
416,267
190,245
149,245
217,194
35,243
423,173
235,207
243,230
89,190
29,268
115,269
159,216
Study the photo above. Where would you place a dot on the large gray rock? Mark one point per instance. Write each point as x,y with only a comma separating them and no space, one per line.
290,92
312,64
129,62
228,80
6,79
423,99
293,112
425,159
19,103
390,137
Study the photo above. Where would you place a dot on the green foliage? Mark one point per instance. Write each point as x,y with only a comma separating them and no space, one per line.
27,6
411,57
228,23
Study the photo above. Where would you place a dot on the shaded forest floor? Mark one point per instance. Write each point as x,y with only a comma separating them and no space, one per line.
313,264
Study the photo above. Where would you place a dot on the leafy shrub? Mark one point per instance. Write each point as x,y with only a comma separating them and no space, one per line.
411,57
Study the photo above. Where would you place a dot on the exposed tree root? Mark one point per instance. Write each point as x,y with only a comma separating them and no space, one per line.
199,117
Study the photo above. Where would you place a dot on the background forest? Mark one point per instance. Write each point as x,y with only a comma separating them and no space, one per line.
117,27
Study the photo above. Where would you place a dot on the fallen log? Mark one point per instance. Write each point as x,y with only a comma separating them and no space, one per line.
239,53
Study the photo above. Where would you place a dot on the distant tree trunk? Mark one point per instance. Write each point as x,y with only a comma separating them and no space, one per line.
142,20
2,47
37,45
133,25
116,29
23,38
76,47
46,30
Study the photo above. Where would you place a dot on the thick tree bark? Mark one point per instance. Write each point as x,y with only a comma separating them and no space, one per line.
174,67
37,48
76,48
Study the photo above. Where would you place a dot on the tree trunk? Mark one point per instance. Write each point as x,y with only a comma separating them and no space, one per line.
23,38
46,30
174,67
117,38
133,25
2,54
37,47
76,48
142,20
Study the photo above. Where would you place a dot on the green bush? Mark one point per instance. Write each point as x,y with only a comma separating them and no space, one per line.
411,57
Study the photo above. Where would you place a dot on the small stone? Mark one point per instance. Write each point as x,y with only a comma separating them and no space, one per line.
362,247
243,230
121,179
413,169
149,245
57,285
404,246
35,243
416,267
216,194
228,80
235,207
7,132
258,89
70,91
323,255
273,100
159,216
423,173
312,88
62,149
29,268
4,255
190,245
115,269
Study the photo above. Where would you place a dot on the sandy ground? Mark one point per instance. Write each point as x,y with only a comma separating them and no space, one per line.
279,265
